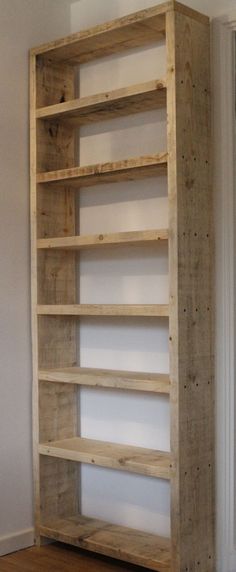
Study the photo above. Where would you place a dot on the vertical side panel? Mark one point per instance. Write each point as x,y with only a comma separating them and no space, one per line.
55,340
191,313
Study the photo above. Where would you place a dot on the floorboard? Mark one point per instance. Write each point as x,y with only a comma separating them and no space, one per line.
60,558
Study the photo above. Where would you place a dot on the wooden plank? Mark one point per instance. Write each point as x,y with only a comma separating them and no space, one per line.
117,103
119,542
60,557
89,175
142,310
191,301
114,379
53,281
93,241
137,29
122,457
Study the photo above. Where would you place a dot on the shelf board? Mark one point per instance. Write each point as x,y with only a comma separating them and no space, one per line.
99,240
134,546
114,379
141,310
117,103
112,172
137,29
139,460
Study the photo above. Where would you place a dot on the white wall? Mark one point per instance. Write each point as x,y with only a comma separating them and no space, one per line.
23,24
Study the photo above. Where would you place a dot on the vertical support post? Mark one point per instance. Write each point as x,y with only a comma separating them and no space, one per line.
53,281
190,266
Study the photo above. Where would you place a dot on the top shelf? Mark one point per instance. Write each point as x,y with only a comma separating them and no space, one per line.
137,29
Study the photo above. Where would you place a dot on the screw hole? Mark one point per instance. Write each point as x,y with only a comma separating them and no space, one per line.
196,309
185,386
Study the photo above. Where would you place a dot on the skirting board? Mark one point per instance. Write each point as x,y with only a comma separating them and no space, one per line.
16,541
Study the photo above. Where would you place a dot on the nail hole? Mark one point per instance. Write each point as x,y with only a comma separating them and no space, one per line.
196,309
184,309
170,338
185,386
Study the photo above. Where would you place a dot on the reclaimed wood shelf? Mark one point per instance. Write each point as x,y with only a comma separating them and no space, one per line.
141,310
113,379
111,455
56,113
90,175
120,542
117,103
99,240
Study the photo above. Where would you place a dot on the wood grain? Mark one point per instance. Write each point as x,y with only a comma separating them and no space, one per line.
89,175
99,240
114,379
53,341
57,556
191,299
138,29
119,542
142,310
117,103
104,454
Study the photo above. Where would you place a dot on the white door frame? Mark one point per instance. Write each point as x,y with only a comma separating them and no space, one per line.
223,90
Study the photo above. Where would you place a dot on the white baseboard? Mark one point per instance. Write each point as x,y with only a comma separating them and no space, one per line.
16,541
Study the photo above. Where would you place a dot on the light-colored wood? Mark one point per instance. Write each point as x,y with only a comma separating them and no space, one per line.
138,29
117,103
122,457
89,175
190,269
53,281
120,542
97,240
190,464
142,310
114,379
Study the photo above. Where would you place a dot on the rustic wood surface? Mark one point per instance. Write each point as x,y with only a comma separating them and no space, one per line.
117,541
89,175
53,281
114,379
136,237
142,310
191,294
112,455
138,29
117,103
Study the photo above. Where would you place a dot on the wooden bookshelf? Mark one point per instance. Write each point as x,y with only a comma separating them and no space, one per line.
56,114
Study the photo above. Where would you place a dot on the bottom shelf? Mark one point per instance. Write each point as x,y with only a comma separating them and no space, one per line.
119,542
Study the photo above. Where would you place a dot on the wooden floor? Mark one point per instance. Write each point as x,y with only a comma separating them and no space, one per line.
61,558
